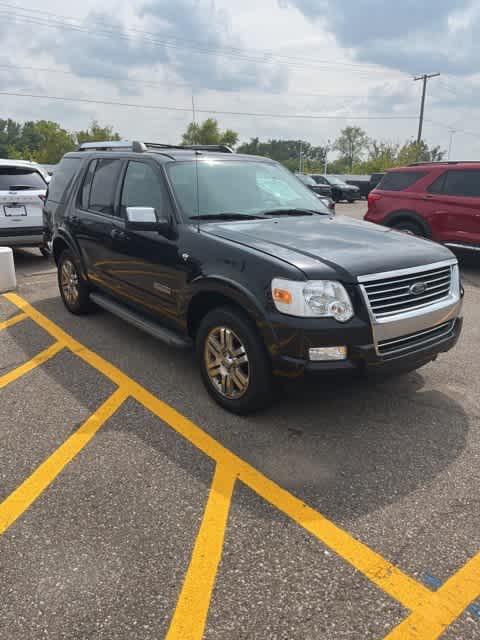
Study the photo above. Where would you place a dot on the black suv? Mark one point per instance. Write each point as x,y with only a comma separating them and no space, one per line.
232,254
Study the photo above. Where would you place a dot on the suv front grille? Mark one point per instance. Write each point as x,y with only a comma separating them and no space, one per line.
399,294
414,341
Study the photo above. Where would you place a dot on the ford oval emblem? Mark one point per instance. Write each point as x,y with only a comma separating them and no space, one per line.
418,288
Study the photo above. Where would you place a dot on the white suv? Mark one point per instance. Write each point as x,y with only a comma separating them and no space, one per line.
23,187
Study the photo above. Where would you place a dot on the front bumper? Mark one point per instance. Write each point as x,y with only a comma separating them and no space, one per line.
365,357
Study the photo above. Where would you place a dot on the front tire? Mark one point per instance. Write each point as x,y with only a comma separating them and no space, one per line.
73,286
409,226
233,362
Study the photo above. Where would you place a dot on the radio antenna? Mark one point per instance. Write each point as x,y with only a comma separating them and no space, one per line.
197,189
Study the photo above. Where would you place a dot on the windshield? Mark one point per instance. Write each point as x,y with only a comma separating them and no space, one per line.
18,178
335,180
306,179
244,188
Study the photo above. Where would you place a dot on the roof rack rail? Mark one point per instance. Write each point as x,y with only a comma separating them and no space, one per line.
417,164
142,147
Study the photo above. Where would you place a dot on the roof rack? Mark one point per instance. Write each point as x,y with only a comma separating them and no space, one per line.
418,164
142,147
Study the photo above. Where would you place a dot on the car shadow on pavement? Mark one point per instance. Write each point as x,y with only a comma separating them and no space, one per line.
345,446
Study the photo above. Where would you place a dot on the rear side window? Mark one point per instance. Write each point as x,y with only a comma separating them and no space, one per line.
464,183
400,180
61,179
104,184
20,179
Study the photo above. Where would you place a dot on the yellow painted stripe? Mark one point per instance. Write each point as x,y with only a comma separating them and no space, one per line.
39,359
21,499
189,619
443,607
11,321
383,573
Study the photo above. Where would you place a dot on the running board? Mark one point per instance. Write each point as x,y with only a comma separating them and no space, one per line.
140,322
466,247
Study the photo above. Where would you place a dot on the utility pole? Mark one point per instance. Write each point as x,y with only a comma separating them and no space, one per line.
425,78
452,133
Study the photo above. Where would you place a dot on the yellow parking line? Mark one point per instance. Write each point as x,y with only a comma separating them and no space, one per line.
36,361
21,499
11,321
443,607
190,617
383,573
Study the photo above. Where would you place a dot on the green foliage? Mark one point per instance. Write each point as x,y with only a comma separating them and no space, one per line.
351,144
209,133
96,133
288,153
45,141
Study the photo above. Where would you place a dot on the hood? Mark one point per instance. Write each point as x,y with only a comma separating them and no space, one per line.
324,246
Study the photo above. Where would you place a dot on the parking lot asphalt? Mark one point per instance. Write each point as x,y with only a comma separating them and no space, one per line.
134,507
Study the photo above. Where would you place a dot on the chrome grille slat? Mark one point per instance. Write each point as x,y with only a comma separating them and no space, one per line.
414,341
401,295
399,298
427,274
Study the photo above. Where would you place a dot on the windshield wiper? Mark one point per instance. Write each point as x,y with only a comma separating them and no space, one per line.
292,212
225,216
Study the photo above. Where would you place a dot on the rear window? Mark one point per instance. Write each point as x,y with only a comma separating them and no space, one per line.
458,183
20,178
64,173
400,180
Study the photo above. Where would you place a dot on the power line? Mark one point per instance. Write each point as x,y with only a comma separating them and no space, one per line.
298,116
175,84
153,39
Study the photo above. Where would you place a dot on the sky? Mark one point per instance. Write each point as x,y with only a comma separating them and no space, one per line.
300,69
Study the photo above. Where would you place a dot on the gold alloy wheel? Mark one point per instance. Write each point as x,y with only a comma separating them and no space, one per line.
227,363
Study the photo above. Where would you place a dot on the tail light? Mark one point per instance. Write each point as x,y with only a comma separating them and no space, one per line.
373,197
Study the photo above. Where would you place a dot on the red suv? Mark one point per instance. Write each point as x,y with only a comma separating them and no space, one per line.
438,200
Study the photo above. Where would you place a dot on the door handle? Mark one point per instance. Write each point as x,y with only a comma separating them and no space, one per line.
117,234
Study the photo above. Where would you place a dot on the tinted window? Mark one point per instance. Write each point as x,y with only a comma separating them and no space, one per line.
20,178
104,183
87,183
437,185
399,180
142,187
64,173
462,183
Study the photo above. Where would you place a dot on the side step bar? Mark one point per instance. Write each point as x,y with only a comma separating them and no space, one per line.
139,321
458,245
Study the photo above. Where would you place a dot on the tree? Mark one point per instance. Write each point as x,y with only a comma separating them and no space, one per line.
418,152
97,133
10,132
288,152
43,141
351,144
209,133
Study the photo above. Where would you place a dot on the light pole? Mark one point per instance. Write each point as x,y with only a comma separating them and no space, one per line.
452,133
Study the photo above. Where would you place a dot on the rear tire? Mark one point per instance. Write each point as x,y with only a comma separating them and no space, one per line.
73,287
233,362
409,226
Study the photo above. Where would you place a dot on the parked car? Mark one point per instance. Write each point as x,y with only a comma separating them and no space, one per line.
22,190
233,255
362,182
340,189
320,189
440,201
374,180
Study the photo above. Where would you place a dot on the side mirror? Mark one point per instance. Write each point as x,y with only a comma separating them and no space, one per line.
146,219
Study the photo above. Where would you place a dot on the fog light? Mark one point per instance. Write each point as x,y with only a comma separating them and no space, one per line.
327,353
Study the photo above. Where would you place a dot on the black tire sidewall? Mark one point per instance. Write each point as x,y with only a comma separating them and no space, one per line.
82,305
259,392
409,225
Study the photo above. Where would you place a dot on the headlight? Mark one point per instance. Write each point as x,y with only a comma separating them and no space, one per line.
315,298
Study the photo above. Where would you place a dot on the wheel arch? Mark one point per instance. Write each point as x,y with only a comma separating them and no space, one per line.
411,216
